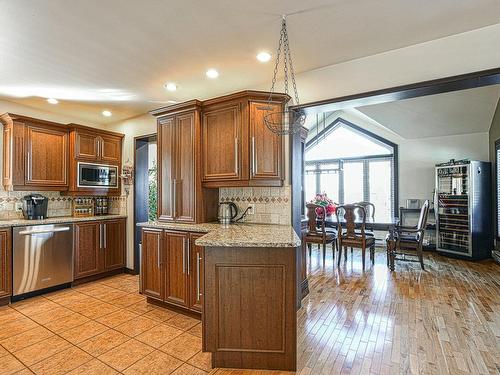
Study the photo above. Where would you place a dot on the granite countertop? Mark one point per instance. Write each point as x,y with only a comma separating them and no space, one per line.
56,220
236,235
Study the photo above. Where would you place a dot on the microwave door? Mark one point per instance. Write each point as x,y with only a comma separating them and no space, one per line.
89,176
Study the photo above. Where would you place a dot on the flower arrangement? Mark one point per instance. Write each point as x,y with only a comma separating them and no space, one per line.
323,200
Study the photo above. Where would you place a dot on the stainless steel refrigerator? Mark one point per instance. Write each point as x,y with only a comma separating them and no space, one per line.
463,208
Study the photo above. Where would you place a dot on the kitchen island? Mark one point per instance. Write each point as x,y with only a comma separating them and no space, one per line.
249,291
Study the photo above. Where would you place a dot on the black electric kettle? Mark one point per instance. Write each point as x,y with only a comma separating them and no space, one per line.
227,212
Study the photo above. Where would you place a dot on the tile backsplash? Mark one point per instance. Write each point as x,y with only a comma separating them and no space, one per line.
272,204
58,205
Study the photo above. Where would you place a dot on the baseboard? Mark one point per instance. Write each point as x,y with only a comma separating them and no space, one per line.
130,271
98,276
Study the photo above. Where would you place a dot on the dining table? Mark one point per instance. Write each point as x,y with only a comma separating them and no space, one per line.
388,224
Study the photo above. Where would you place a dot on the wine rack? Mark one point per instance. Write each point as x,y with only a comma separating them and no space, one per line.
462,195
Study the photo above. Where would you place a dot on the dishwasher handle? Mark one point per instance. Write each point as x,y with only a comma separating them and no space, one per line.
30,232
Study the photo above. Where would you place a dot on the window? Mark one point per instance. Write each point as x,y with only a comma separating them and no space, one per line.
352,165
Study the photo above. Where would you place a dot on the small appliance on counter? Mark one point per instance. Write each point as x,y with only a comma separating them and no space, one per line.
83,207
35,207
227,212
101,206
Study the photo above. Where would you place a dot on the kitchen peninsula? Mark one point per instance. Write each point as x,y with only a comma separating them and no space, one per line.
244,277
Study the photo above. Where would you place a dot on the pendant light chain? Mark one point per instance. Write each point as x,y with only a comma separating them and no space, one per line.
288,121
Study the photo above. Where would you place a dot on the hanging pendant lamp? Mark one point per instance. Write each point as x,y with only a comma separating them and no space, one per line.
288,121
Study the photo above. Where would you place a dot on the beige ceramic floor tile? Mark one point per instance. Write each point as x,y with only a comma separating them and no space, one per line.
202,361
67,322
126,354
10,365
155,363
159,335
83,332
186,369
182,322
27,338
41,350
16,327
196,330
99,310
116,318
183,347
141,307
3,351
94,367
160,314
127,300
136,326
57,313
103,342
62,362
34,305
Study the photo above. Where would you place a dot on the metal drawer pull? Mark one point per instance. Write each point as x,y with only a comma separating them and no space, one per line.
198,259
30,232
158,252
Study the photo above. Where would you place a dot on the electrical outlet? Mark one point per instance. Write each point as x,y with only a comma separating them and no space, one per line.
19,206
251,209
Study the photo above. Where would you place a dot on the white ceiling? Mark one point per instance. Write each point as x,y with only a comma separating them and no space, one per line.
458,112
117,54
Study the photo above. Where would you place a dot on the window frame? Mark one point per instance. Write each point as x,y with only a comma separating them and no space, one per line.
394,157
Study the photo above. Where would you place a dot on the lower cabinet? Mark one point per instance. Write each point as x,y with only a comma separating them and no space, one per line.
171,268
99,247
5,263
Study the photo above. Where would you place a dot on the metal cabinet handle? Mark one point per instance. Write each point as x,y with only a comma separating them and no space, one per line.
174,198
254,157
104,235
188,257
236,161
184,255
158,251
100,236
30,232
198,294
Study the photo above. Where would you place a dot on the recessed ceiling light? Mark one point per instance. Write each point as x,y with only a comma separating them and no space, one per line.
264,56
170,86
52,101
106,113
212,73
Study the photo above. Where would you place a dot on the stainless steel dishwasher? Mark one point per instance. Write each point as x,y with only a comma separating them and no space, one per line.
42,257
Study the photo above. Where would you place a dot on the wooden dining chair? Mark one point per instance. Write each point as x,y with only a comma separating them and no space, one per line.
409,240
370,212
347,234
317,233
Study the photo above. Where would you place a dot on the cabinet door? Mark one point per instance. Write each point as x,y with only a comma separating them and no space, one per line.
166,173
266,150
176,268
86,146
110,148
113,243
152,263
88,244
47,156
196,274
185,149
5,263
221,147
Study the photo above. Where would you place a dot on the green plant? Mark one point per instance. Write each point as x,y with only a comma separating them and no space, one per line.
153,192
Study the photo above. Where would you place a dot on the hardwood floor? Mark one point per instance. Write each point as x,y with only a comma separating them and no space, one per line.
445,320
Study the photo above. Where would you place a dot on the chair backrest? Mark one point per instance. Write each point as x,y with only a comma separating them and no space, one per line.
313,219
424,212
349,212
369,208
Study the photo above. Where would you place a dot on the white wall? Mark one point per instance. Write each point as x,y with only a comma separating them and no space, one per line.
134,127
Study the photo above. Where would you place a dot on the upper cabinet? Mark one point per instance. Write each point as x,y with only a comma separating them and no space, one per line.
181,197
237,147
35,154
94,146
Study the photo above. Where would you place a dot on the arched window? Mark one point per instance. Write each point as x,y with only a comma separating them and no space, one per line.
351,165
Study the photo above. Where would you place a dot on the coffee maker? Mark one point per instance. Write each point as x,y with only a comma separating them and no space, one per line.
35,207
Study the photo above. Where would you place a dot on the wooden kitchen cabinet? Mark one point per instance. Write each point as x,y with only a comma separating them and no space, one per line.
110,148
87,244
113,244
175,245
172,268
181,197
152,263
5,263
99,247
35,154
238,149
86,146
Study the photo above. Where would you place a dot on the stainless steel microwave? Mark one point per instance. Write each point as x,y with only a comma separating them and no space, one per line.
92,175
